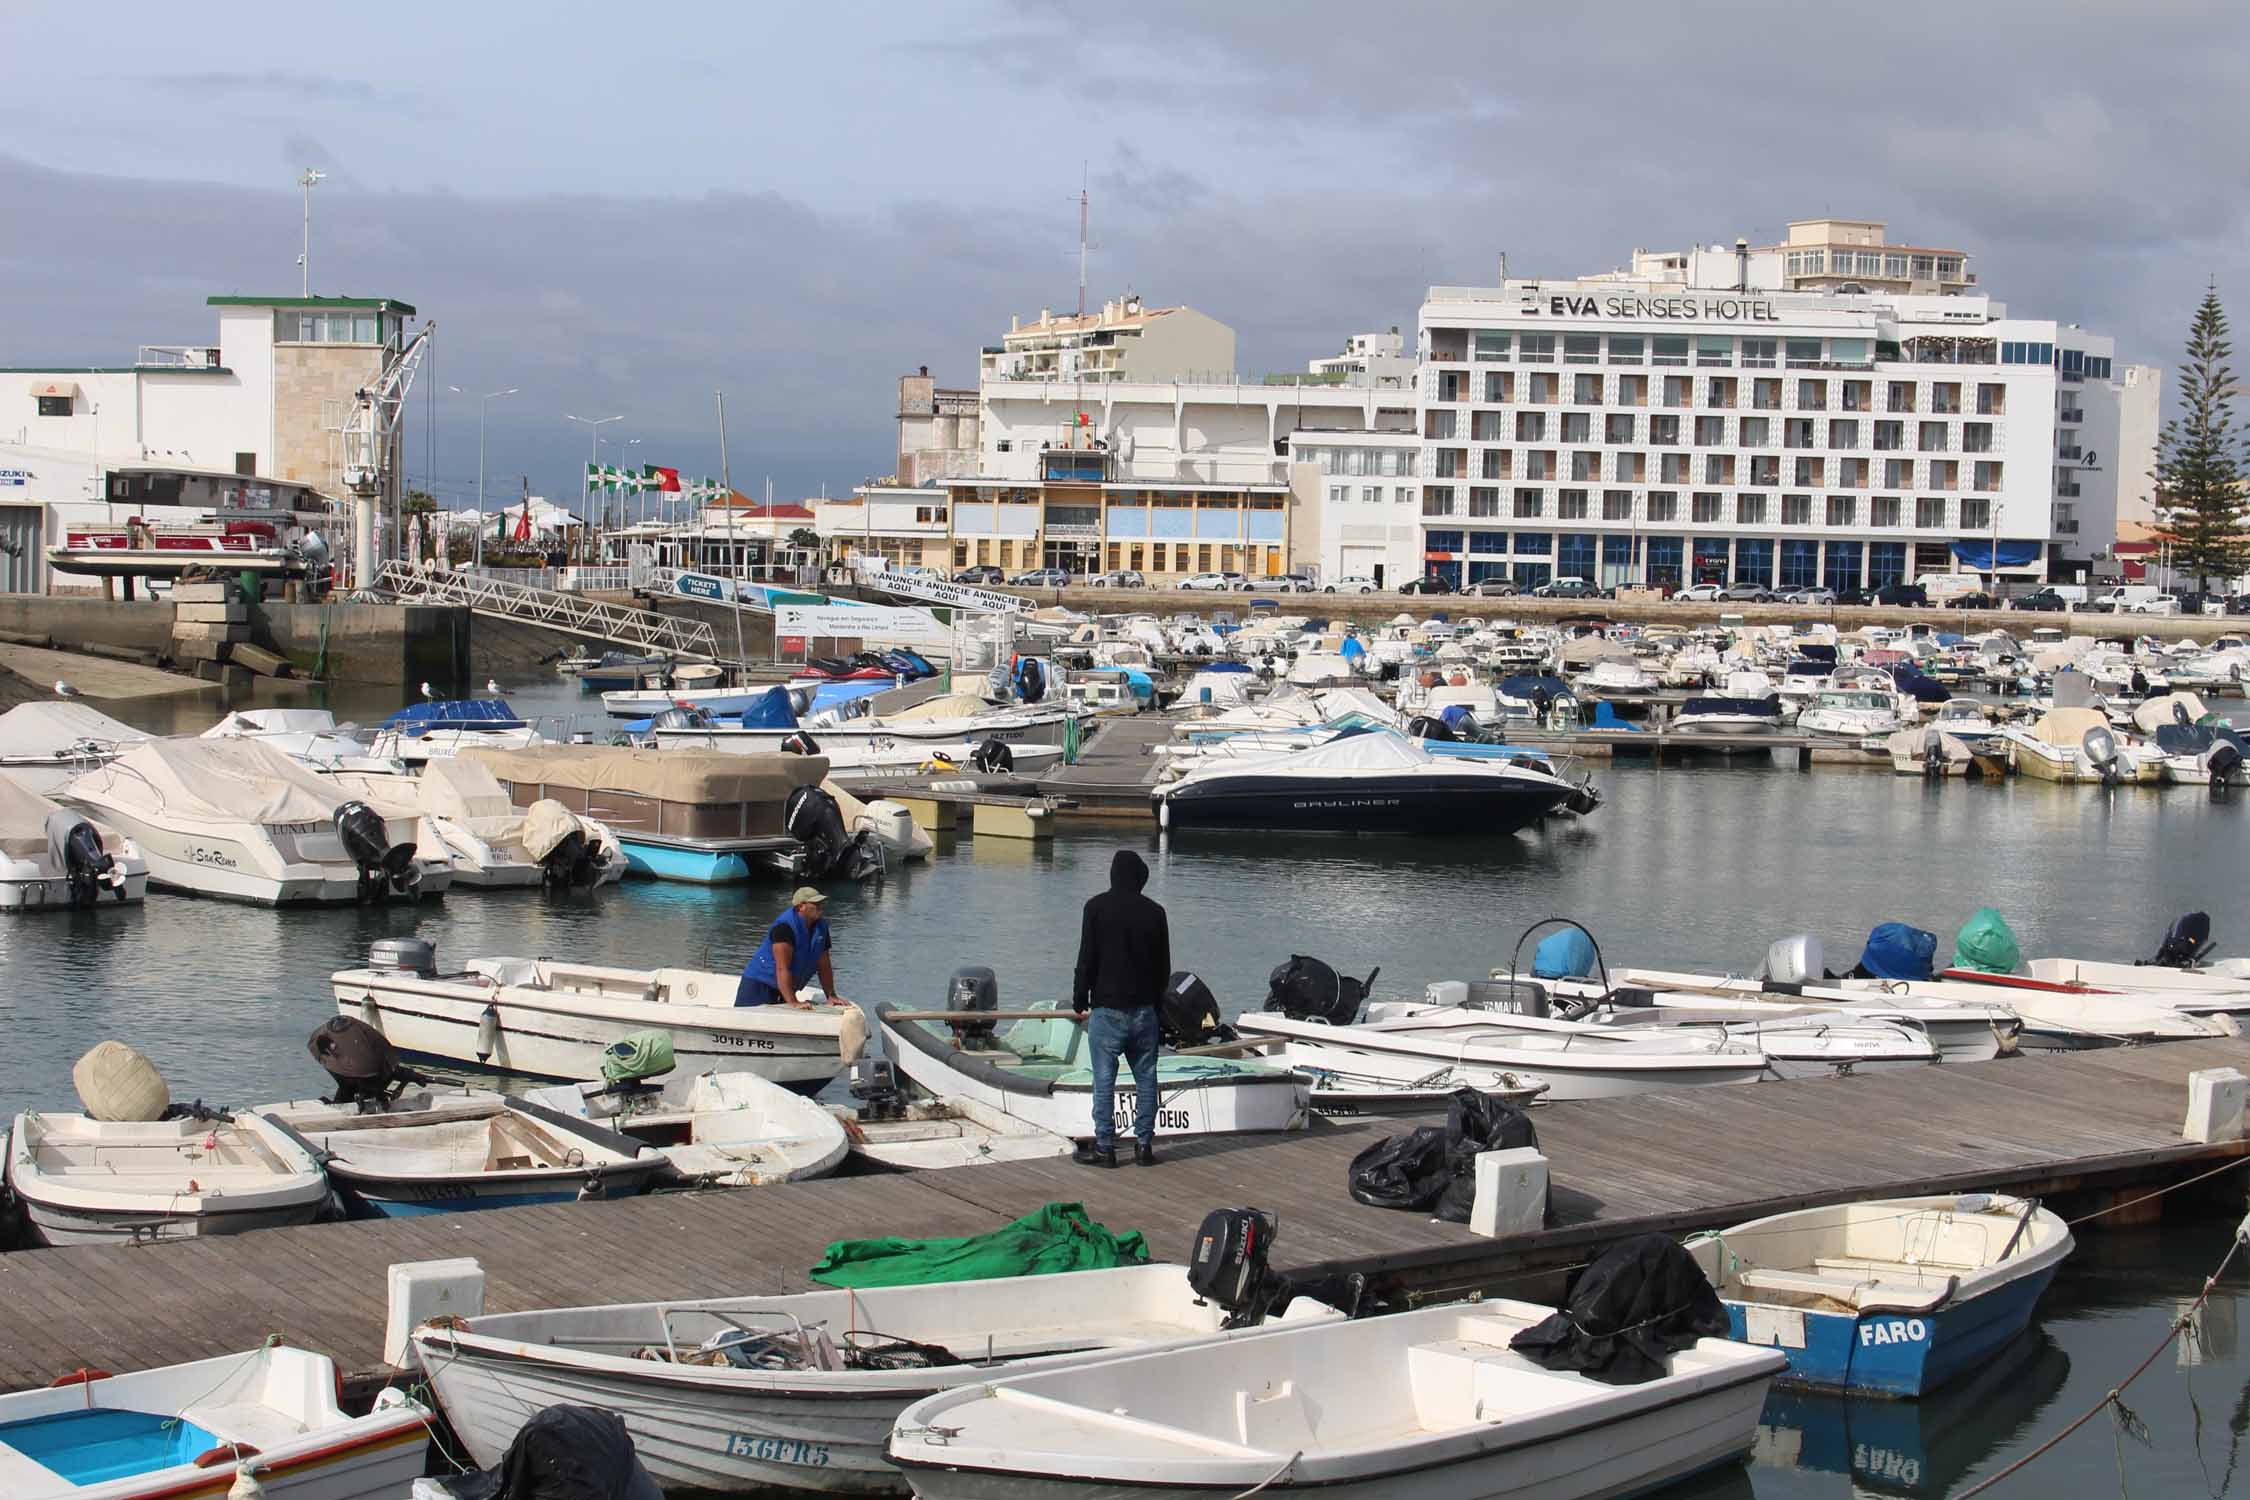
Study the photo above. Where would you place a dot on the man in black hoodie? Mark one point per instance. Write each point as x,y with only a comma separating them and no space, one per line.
1124,958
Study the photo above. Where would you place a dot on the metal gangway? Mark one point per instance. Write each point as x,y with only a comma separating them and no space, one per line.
637,629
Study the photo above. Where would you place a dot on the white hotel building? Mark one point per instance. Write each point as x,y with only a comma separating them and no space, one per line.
1773,416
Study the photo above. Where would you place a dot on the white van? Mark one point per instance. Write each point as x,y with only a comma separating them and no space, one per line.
2123,597
2072,594
1943,586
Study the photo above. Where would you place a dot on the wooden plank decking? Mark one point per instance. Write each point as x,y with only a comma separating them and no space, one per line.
1666,1162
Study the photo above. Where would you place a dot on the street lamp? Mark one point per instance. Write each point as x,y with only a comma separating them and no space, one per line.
594,426
306,180
483,401
615,443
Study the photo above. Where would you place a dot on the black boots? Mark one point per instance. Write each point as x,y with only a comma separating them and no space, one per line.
1091,1155
1144,1154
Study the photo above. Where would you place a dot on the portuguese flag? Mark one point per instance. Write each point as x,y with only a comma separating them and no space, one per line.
668,480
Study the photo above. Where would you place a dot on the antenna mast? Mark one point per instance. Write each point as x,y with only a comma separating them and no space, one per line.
1081,241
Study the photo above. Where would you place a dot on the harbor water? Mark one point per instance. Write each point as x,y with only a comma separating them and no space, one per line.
1697,866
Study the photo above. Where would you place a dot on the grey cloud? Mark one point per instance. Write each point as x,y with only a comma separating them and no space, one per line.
266,85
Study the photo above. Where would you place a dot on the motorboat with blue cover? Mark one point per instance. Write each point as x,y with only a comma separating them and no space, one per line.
1891,1297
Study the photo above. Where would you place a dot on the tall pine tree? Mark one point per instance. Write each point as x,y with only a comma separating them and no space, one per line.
2202,509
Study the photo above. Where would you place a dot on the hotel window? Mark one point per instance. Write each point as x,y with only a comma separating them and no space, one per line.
1625,349
1484,427
1976,437
1663,505
1796,510
1448,463
1710,432
1585,464
1765,395
1530,504
1440,424
1669,349
1945,398
1925,268
1537,349
1499,386
1986,476
1403,495
1883,511
1617,505
1672,468
1452,385
1898,473
1976,514
1484,502
1437,500
1494,464
1933,437
1807,471
1755,432
1719,394
1812,395
1582,348
1531,426
1617,427
1929,513
1632,390
1759,353
1577,427
1856,395
1714,350
1797,432
1945,474
1339,493
1802,354
1992,400
1899,396
1541,390
1538,463
1842,510
1894,267
1750,510
1843,434
2074,364
1765,469
1718,468
1570,505
1889,436
1703,508
1586,390
1492,346
1677,390
1664,430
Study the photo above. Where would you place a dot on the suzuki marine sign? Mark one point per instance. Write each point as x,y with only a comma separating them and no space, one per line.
1636,305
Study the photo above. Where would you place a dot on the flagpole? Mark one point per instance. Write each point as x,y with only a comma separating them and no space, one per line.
726,479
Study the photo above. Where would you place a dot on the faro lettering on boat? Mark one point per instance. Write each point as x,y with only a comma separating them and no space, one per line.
1893,1331
1882,1463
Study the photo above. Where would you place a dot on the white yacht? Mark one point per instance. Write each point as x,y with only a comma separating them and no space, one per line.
43,745
487,839
1853,714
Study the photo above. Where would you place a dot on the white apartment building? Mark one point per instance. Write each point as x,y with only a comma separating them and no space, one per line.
1378,359
1125,340
1698,418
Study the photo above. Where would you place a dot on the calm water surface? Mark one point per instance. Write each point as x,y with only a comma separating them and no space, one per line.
1683,867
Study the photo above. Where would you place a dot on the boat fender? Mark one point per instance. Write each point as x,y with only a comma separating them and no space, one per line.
488,1033
225,1453
246,1486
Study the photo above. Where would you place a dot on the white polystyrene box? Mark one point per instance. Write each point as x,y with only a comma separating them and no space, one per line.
1511,1192
424,1289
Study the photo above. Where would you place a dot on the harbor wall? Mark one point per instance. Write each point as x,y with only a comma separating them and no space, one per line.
387,645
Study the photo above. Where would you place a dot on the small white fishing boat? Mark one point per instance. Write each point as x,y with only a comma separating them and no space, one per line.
1852,714
311,735
53,857
1962,1030
1614,677
265,1422
808,1396
84,1181
1928,751
452,1150
1415,1404
2076,744
44,745
1038,1070
712,1129
489,841
1891,1297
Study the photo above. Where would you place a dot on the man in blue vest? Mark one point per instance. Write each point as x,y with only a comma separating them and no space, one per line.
796,948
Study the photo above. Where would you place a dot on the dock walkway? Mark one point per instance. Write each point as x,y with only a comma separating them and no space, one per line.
1667,1162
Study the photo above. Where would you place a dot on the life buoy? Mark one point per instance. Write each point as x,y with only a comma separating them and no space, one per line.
80,1376
225,1453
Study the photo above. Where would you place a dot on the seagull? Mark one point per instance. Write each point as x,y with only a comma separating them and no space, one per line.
427,693
64,689
491,686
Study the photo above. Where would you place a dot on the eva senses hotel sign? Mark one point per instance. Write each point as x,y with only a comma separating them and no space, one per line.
1680,309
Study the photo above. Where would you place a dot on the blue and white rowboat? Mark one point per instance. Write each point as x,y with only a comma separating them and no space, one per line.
1892,1297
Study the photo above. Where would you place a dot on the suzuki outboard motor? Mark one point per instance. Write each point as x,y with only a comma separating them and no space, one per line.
2186,942
811,817
972,987
993,758
1305,989
383,865
1189,1013
360,1059
1229,1263
799,743
85,863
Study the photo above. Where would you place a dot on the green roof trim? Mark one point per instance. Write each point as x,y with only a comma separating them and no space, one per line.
387,304
115,370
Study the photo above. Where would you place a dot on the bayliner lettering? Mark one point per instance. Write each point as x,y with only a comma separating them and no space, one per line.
1347,802
1691,309
775,1450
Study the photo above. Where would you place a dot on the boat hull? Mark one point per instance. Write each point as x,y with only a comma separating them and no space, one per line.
243,863
1469,803
61,1225
1567,1077
1900,1354
469,1192
52,893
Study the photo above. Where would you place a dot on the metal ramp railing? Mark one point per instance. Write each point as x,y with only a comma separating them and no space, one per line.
641,629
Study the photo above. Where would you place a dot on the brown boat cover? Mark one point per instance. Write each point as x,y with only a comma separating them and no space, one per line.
691,776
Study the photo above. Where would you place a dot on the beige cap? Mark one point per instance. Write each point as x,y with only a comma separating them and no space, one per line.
806,894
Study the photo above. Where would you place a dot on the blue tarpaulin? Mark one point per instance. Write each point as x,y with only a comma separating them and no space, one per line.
1568,954
771,711
1978,554
1897,951
417,719
1351,648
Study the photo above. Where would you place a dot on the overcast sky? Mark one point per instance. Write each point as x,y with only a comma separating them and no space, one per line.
623,210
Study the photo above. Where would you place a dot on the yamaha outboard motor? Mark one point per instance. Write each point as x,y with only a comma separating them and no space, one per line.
993,758
383,865
799,743
811,817
973,987
74,845
2184,943
360,1059
1305,989
1189,1013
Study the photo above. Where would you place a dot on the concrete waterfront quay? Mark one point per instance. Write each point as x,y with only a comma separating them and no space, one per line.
2104,1127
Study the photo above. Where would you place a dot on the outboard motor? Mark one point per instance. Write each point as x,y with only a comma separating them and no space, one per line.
1189,1013
77,848
1933,752
360,1059
993,758
811,817
2223,762
1795,960
574,863
800,701
2100,749
1423,727
973,987
1305,989
799,743
383,865
1230,1264
685,716
2185,943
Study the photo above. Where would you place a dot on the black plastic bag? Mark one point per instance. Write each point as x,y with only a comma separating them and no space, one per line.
1476,1123
564,1453
1403,1171
1643,1300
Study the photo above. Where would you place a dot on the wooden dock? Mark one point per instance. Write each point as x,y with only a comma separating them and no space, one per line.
1667,1162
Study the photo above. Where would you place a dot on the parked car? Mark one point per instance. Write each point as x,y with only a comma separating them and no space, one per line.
1903,596
1701,593
2160,604
1216,582
1809,596
1428,583
1291,583
2239,605
1123,578
1492,588
1042,578
981,573
2042,600
1566,588
1746,593
2195,602
2121,597
1352,583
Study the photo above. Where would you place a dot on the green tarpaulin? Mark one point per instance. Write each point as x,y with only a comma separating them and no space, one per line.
1058,1237
1986,943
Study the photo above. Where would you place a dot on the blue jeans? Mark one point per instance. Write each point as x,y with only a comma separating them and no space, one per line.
1131,1034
